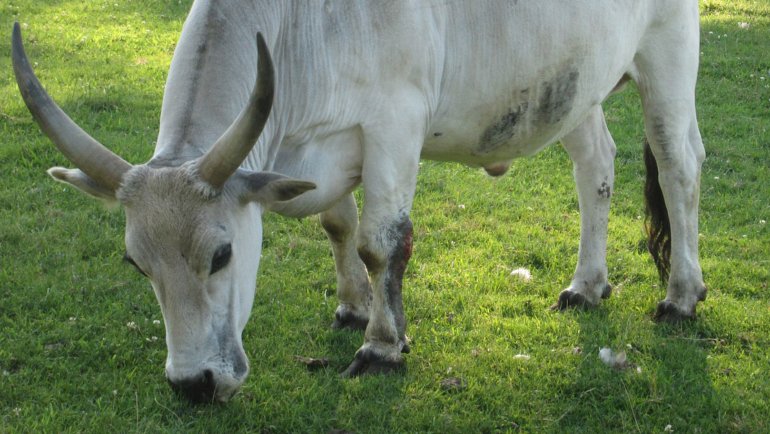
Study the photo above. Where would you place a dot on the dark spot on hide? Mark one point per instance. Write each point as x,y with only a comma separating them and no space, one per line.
557,97
659,135
501,131
202,47
604,191
438,134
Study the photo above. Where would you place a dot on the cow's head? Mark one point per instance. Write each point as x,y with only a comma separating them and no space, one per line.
194,230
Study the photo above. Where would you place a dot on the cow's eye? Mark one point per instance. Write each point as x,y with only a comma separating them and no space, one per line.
221,258
131,261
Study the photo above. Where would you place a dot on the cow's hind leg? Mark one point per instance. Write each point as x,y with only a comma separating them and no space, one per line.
667,69
592,151
353,289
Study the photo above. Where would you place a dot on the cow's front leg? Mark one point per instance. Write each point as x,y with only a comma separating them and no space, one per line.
592,151
386,254
353,289
384,239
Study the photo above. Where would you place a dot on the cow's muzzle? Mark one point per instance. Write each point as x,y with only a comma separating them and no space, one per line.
203,389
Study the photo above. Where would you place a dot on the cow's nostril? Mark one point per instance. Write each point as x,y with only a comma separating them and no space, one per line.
199,390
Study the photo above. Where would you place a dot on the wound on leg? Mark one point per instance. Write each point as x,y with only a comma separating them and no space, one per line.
402,233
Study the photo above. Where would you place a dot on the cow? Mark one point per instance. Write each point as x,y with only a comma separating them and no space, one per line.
288,106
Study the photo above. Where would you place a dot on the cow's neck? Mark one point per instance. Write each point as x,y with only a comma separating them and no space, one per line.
212,74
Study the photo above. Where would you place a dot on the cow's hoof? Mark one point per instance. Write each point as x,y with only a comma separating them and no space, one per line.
702,291
607,291
368,362
570,299
346,319
373,367
668,312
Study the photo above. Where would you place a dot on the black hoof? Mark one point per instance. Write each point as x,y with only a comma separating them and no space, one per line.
405,349
607,291
569,299
368,362
668,312
348,320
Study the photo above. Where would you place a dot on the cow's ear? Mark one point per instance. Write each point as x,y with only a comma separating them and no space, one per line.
82,182
269,187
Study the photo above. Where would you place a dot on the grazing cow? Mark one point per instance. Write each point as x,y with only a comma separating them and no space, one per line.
360,91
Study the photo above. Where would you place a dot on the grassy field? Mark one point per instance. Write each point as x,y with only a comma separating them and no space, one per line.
82,350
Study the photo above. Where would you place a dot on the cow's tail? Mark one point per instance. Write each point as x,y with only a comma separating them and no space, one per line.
656,220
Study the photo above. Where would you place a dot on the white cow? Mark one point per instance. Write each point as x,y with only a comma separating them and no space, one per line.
363,90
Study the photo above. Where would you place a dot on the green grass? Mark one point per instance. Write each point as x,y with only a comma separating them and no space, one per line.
69,361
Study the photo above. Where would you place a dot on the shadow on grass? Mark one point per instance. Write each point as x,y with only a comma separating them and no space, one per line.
325,402
665,381
358,401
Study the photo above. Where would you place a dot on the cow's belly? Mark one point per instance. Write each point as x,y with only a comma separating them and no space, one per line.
508,124
483,140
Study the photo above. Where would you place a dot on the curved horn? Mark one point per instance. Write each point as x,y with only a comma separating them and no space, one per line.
90,156
229,151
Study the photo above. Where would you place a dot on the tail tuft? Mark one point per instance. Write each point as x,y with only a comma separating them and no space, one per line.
656,220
